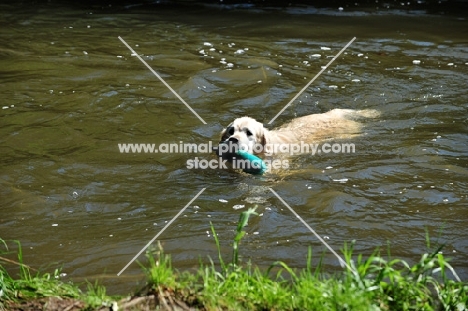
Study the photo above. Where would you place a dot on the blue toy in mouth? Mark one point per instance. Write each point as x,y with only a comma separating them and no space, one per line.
253,164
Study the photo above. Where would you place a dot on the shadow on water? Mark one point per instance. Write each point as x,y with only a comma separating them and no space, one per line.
71,92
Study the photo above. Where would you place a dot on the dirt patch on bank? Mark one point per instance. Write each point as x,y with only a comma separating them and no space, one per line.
47,304
154,299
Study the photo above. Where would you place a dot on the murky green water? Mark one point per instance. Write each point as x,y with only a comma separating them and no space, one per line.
71,92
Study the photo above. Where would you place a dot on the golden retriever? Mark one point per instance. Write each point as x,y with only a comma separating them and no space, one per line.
247,134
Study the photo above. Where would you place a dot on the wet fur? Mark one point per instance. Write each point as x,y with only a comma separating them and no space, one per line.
315,128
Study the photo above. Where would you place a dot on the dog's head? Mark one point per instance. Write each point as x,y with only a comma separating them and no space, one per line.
244,134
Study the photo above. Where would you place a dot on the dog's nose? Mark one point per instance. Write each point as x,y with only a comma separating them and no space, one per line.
233,139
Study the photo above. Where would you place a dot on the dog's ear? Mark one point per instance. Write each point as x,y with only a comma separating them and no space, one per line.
264,136
225,133
262,133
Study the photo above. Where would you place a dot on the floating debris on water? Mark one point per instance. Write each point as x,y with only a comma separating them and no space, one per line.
207,44
341,181
316,55
223,201
333,86
355,80
238,206
239,52
416,62
324,48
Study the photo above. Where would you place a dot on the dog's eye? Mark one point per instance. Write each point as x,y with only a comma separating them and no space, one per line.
249,133
231,131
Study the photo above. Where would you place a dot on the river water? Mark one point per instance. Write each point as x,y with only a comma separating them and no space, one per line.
71,92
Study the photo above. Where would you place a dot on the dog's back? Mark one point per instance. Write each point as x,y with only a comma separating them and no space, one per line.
334,124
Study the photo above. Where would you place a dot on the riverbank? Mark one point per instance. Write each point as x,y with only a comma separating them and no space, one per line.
379,285
373,283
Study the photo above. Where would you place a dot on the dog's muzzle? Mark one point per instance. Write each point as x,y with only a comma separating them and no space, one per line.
227,149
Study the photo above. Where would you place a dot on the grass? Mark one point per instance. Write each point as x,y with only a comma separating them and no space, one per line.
32,284
375,283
